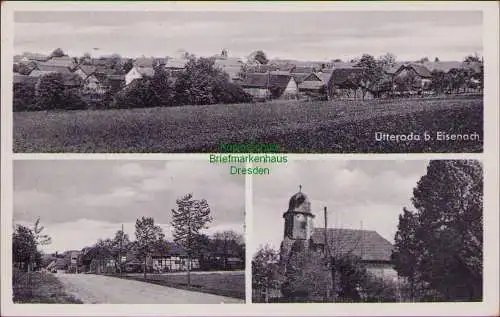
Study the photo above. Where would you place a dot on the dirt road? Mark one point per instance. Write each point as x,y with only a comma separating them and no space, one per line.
98,289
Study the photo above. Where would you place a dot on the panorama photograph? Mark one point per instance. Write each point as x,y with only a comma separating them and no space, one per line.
189,81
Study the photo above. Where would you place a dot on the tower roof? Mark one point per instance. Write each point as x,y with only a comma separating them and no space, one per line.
299,202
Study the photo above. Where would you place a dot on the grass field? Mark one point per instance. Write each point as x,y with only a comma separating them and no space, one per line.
44,288
317,127
230,284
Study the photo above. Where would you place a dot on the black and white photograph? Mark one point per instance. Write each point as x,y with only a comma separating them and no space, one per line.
127,232
328,81
369,231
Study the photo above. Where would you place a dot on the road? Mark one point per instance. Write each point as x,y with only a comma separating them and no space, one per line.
98,289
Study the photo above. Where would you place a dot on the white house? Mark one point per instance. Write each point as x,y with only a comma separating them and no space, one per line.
138,73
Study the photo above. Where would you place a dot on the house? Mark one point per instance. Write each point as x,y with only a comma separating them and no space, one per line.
412,77
230,65
343,83
53,68
73,259
149,62
312,86
58,265
270,86
63,61
85,71
27,57
173,259
176,64
371,248
138,73
39,73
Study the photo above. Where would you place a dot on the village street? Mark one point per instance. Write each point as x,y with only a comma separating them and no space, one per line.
98,289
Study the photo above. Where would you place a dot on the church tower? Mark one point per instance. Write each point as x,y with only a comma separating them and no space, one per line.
298,225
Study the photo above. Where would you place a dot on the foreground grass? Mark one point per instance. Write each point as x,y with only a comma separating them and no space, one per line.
44,288
315,127
222,284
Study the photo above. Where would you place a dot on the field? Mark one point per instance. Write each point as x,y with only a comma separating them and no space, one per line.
230,284
297,127
43,288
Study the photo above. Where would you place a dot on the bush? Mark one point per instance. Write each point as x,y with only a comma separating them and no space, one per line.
23,97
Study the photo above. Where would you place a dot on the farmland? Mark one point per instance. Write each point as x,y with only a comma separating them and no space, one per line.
297,127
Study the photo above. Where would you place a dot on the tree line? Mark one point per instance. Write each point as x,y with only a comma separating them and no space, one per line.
438,251
200,83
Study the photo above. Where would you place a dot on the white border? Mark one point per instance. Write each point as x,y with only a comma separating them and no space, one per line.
490,305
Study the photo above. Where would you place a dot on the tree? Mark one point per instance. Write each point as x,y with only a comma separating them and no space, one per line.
372,74
265,272
388,60
440,245
50,92
23,96
201,83
58,52
23,246
258,56
228,243
436,59
86,59
148,237
127,66
190,217
424,60
472,58
306,277
162,88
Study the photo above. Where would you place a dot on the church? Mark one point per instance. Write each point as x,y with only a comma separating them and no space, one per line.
372,249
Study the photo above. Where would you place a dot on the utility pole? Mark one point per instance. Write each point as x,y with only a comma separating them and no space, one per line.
327,251
120,251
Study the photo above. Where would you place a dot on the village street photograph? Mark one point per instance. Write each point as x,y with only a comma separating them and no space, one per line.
368,231
333,81
127,232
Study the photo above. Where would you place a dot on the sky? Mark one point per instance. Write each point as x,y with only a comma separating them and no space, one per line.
80,202
320,35
359,194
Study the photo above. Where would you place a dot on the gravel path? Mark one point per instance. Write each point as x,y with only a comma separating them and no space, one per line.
98,289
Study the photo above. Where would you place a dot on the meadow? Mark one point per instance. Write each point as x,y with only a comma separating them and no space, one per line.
296,126
41,287
230,284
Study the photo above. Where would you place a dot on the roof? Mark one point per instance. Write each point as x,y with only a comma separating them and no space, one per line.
39,73
304,69
367,244
87,69
52,67
177,63
266,80
446,66
262,68
71,80
299,202
311,85
173,249
35,56
144,62
146,71
342,75
420,69
299,77
24,79
64,61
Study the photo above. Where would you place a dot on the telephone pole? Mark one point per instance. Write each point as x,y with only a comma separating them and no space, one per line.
327,251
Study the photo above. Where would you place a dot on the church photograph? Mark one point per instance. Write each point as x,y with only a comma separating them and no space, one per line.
368,231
